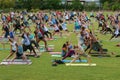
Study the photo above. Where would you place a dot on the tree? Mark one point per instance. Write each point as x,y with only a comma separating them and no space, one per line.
106,5
109,1
7,3
77,5
116,6
36,4
91,6
52,4
46,4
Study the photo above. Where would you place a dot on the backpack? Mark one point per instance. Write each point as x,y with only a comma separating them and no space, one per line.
59,61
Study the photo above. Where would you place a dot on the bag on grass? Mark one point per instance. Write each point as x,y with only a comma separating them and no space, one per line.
59,62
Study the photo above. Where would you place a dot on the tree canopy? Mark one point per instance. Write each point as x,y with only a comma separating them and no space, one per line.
57,4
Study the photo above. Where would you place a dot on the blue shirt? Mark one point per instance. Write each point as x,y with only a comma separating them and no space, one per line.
11,34
46,17
54,21
31,36
26,40
20,49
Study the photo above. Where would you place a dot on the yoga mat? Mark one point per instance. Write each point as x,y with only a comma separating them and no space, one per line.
67,61
99,55
5,49
58,37
32,54
43,49
48,45
54,53
71,64
16,61
57,55
49,39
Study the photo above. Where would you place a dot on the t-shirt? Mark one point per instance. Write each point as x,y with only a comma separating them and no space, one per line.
53,21
64,26
4,18
20,49
40,34
56,28
66,17
11,34
14,46
45,28
46,17
117,31
26,40
6,29
76,23
38,25
31,36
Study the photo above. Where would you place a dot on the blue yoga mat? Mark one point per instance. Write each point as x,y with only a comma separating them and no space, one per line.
67,61
5,49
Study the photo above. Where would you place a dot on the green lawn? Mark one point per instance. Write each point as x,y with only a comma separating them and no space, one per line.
107,67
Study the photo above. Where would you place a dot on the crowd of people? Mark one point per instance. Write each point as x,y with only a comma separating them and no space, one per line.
31,28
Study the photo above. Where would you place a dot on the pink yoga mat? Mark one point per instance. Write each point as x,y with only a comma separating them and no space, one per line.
49,39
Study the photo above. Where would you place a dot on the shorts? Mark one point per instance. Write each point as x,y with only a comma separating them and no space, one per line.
100,25
91,15
67,19
6,34
96,46
25,47
77,27
13,51
57,31
40,38
19,55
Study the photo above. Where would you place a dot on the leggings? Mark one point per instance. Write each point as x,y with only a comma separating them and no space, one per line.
69,54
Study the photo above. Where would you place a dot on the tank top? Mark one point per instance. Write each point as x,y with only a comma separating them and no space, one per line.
14,46
20,49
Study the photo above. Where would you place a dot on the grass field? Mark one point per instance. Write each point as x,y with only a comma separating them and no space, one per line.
108,68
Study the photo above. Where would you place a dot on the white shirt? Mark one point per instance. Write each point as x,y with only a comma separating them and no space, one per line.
79,22
66,17
56,28
14,48
117,31
64,26
45,28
